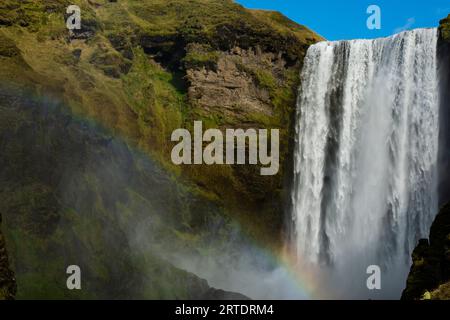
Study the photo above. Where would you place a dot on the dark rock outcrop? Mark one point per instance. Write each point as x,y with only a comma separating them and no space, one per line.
430,272
200,290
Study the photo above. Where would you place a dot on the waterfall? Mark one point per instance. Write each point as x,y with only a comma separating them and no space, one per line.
365,173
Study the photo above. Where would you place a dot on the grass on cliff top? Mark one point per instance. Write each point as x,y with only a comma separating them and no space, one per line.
445,28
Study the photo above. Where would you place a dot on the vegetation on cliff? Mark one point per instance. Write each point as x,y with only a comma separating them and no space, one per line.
137,67
429,277
76,106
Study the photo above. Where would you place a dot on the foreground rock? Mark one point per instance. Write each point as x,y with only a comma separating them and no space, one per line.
429,277
7,280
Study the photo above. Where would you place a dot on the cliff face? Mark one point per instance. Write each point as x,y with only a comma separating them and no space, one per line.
144,68
444,69
85,123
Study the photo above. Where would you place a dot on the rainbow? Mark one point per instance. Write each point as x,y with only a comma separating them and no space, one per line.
306,279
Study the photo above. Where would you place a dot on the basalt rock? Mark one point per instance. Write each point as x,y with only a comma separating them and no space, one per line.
430,272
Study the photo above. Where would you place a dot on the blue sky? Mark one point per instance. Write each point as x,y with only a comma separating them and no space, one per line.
346,19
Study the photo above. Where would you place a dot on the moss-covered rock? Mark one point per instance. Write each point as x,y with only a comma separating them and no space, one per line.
179,39
430,270
132,69
7,280
7,47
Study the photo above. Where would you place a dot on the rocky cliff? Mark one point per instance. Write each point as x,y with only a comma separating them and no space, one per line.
430,272
429,277
144,68
85,124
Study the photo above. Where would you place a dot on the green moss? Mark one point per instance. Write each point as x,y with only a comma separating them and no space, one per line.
128,77
198,60
29,14
110,62
444,28
430,271
442,292
7,47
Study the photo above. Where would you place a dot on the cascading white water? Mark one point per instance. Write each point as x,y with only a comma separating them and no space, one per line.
365,160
